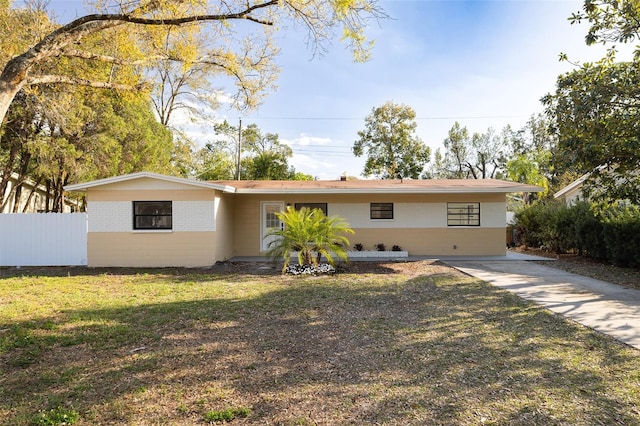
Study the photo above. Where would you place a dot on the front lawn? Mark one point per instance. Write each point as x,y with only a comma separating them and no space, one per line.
392,344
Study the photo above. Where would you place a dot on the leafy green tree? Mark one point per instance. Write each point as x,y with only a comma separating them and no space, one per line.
211,163
97,135
476,156
389,141
300,176
268,165
257,143
268,158
263,157
526,169
453,163
311,234
594,111
228,144
24,124
537,145
81,137
612,21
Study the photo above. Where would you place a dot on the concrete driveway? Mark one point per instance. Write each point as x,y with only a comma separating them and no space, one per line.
607,308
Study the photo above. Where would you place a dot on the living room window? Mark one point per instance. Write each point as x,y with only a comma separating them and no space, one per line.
381,210
321,206
463,214
152,215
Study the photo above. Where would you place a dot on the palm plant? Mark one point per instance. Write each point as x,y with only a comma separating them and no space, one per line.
311,234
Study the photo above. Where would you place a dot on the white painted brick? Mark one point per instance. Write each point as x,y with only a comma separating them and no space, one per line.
194,216
117,216
110,216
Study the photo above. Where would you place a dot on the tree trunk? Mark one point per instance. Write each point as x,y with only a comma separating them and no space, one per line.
30,197
6,176
48,197
12,79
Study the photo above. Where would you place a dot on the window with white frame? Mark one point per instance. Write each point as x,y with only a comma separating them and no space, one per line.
463,214
381,211
152,215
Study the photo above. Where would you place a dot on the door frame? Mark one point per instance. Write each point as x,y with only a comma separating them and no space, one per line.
263,219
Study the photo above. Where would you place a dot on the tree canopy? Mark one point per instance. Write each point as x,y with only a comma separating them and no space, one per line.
612,21
262,156
240,34
389,141
595,113
475,156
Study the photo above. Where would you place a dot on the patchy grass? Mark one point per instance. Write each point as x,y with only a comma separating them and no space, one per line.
389,344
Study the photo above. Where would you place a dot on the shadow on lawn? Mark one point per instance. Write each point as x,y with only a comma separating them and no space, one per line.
439,350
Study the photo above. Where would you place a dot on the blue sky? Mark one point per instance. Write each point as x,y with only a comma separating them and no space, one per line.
481,63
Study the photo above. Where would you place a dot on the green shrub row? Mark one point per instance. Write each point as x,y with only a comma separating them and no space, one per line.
605,232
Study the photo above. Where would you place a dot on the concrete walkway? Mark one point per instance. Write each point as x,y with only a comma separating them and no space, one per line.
607,308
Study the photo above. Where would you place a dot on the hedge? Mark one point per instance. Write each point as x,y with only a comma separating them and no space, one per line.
605,232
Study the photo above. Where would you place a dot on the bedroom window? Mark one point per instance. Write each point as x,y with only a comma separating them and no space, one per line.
152,215
321,206
463,214
381,210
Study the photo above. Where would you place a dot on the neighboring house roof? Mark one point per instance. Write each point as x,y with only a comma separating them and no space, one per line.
424,186
81,187
573,188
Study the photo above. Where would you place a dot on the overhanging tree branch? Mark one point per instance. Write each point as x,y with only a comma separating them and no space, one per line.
81,54
61,79
319,16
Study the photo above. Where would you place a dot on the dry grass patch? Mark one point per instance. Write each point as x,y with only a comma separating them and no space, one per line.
393,344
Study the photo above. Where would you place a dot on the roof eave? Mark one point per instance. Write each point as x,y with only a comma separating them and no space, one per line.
83,187
389,190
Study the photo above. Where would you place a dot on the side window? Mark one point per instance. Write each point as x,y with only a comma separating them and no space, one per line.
381,211
321,206
152,215
463,214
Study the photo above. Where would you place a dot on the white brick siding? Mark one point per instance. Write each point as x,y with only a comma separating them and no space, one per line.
117,216
189,216
110,216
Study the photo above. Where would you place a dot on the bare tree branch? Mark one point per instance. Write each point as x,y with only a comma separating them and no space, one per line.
61,79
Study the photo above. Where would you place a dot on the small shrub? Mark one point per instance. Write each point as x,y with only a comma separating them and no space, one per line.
226,415
396,248
381,247
56,416
358,247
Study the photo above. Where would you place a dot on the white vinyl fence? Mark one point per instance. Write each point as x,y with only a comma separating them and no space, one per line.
43,239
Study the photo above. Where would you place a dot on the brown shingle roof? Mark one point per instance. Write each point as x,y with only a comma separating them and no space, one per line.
377,186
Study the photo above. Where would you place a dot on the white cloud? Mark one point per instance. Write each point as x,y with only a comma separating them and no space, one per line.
306,140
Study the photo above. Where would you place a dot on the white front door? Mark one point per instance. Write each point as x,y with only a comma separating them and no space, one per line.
270,221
